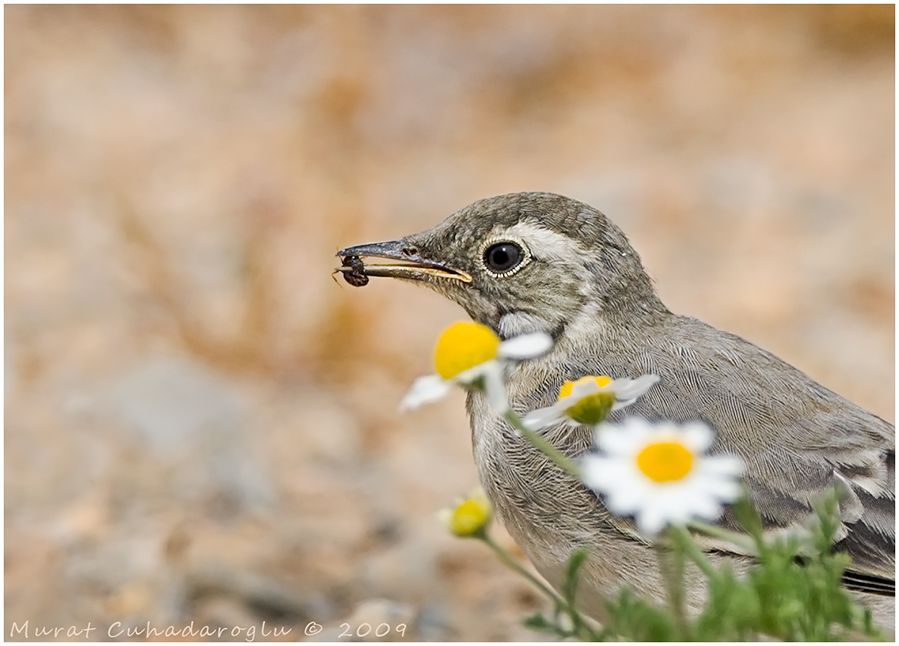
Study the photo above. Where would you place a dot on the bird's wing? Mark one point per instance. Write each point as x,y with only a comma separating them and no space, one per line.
798,438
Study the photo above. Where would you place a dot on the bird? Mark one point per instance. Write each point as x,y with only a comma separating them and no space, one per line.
541,262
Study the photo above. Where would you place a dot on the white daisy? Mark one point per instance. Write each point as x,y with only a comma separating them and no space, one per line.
589,399
468,353
659,473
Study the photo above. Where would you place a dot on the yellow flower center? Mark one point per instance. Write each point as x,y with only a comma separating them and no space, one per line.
462,346
568,386
665,461
470,517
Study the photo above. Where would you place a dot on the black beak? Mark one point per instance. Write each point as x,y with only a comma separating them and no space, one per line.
408,263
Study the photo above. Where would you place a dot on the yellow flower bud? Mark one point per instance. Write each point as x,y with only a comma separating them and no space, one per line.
471,517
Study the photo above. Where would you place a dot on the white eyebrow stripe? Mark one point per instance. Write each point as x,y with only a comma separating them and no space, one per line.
543,242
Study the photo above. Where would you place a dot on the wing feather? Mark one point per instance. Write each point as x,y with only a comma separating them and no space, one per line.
797,437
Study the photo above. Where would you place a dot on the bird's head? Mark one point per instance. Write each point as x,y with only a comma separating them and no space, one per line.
519,263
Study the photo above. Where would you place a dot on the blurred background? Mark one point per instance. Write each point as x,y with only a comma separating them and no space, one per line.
201,424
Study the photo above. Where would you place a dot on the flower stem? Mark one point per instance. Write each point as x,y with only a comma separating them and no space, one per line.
515,566
740,540
579,628
681,536
539,442
671,564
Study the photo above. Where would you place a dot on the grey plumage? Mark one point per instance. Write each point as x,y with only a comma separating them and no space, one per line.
583,283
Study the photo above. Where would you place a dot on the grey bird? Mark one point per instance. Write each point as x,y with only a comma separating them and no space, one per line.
528,262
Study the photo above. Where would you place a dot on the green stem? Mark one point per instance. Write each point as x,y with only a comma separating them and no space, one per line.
684,540
578,627
740,540
671,564
515,566
539,442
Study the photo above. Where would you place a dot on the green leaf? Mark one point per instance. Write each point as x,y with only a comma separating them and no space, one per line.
540,623
572,572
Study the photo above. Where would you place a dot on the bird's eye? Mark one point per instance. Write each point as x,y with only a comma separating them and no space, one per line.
503,257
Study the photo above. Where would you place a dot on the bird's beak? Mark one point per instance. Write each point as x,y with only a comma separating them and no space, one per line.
407,262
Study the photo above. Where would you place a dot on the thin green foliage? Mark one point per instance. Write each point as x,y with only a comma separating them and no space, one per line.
791,591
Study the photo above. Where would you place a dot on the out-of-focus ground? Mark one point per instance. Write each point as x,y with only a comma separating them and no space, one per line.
201,425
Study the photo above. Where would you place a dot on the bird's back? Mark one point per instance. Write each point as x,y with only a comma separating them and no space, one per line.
797,437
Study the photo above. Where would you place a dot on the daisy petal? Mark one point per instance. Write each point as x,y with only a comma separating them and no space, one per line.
706,508
638,428
495,389
473,374
583,389
543,417
598,472
425,390
627,501
618,405
723,465
697,436
651,520
622,439
445,516
725,490
634,388
526,346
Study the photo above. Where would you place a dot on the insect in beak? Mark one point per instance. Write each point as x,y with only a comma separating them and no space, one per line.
408,264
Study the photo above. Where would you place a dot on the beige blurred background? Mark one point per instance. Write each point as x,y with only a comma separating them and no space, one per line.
201,424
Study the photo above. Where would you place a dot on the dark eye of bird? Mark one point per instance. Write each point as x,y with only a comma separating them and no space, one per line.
502,257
